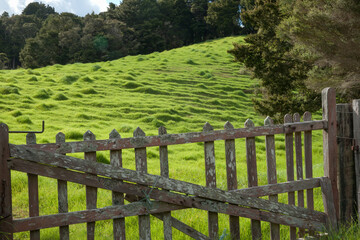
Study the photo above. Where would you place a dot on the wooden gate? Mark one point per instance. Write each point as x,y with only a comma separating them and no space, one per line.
159,195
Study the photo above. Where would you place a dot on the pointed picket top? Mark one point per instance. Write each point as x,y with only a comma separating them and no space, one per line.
139,132
249,123
31,138
288,118
114,134
162,130
268,121
88,136
307,116
228,126
296,117
60,137
207,127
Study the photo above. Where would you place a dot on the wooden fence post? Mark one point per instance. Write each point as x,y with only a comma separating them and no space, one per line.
252,176
164,166
5,185
211,181
356,145
346,164
271,174
329,142
91,192
289,146
231,179
141,166
63,195
117,198
33,192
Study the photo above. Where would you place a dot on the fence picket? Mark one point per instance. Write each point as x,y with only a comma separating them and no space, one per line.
271,174
210,173
117,198
299,167
91,192
33,191
289,146
141,166
5,186
308,165
164,166
252,175
62,195
231,179
356,124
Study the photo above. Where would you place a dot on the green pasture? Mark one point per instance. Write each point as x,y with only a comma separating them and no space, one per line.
181,89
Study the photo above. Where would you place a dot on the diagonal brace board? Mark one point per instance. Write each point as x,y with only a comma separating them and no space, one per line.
170,197
43,157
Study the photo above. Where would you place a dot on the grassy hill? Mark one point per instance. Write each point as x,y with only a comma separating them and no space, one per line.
180,89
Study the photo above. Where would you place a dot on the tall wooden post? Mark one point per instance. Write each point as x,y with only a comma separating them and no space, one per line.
329,142
346,164
356,146
5,185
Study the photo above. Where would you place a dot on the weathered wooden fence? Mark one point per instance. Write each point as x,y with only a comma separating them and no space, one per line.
164,195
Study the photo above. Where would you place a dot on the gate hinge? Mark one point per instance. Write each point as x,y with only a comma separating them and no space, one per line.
355,146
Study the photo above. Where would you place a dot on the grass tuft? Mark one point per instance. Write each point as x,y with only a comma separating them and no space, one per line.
9,90
42,94
60,97
69,79
89,91
24,120
75,135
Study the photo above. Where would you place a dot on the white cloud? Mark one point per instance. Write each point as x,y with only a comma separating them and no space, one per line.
79,7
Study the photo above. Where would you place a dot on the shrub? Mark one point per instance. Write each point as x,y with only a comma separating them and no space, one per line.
60,97
24,120
89,91
42,94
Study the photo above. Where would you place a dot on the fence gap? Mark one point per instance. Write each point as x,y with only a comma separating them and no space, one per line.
164,168
289,148
231,179
271,174
252,175
210,173
141,166
33,191
308,165
91,192
62,195
117,197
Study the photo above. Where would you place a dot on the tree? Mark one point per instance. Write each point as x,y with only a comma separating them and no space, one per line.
224,16
282,75
40,10
328,32
3,60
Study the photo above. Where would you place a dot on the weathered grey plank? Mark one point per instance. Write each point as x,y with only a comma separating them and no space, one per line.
164,169
91,192
5,187
356,127
273,189
329,141
182,138
148,179
271,174
315,221
117,198
252,175
210,174
231,180
289,148
33,186
141,167
308,164
62,196
299,167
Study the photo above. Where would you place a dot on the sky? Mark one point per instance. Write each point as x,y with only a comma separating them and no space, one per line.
78,7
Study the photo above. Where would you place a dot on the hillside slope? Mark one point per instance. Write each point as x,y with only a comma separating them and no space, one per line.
181,89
